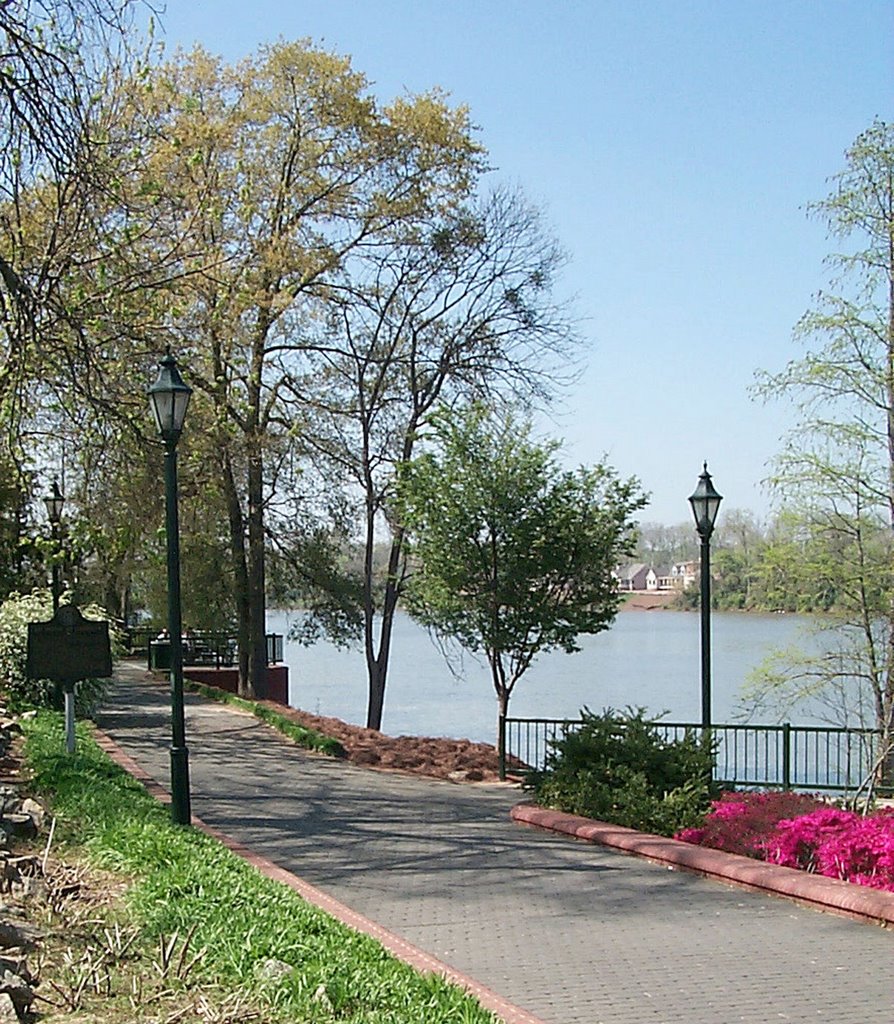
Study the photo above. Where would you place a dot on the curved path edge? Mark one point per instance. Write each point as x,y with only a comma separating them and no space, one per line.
816,891
398,947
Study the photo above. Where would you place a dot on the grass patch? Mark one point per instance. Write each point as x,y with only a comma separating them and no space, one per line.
310,739
219,915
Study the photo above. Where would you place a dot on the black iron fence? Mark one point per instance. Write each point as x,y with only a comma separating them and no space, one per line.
806,757
200,647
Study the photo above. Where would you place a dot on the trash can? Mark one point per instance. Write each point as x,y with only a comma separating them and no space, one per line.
160,655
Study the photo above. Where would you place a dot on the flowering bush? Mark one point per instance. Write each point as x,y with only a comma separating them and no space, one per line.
799,831
838,844
795,843
742,822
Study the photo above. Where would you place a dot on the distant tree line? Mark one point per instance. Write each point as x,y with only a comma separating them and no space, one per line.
778,565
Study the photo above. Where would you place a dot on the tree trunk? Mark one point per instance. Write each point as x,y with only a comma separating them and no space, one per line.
502,705
377,664
240,573
257,597
378,656
376,671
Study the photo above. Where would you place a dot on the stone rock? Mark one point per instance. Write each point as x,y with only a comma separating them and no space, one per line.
22,875
19,934
26,865
30,887
271,970
8,1013
18,991
36,811
16,965
18,825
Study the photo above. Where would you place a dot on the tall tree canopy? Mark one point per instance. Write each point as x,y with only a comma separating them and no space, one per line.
461,310
280,171
62,60
326,268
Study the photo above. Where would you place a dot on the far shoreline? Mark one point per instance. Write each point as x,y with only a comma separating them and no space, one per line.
647,600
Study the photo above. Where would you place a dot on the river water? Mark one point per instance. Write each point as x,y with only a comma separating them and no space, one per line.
647,658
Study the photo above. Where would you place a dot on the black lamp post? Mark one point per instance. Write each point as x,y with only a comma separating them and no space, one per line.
169,398
55,501
705,502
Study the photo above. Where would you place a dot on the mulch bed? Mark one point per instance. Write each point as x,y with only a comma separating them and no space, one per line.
434,757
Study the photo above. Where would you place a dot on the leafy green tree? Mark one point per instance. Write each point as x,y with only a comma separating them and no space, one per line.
512,555
835,477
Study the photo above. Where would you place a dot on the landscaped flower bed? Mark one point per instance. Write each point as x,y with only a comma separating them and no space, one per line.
800,831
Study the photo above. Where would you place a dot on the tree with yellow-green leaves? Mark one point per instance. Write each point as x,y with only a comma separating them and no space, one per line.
273,176
59,250
835,478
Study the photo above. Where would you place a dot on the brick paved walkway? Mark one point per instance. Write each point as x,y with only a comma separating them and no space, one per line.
568,931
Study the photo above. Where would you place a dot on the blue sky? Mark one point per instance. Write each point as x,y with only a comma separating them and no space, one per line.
672,146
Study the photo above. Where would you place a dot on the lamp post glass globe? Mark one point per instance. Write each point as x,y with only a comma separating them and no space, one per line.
705,502
54,503
169,398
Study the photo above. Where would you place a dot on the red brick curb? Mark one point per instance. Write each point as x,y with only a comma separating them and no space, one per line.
815,891
400,948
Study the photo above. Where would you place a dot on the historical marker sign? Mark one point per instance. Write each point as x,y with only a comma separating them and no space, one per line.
68,648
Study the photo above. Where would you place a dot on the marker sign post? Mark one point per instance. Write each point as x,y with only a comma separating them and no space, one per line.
65,650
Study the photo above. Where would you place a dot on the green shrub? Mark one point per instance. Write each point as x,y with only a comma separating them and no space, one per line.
15,614
619,768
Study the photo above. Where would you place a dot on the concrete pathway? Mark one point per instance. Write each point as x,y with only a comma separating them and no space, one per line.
568,931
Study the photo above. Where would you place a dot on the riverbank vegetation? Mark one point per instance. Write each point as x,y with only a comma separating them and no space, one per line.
196,933
778,565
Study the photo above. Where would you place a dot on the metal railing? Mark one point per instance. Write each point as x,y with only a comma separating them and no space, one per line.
806,757
207,648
